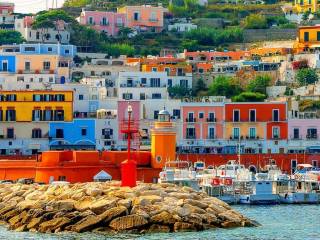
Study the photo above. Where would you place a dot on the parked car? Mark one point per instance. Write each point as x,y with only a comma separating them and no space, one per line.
25,180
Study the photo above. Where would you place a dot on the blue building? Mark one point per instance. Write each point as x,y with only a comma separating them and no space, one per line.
7,63
49,49
78,134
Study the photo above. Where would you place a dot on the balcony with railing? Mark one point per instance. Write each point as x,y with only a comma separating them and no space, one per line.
312,136
107,136
190,136
296,137
211,120
191,120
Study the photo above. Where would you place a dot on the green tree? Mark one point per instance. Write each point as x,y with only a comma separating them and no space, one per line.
306,76
76,3
10,37
255,21
124,32
259,84
179,91
249,97
200,86
54,15
224,86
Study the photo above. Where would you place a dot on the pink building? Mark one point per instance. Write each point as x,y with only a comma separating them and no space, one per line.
304,129
202,121
6,8
107,22
145,17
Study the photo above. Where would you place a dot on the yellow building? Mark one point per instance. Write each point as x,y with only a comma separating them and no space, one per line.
308,39
302,6
28,106
247,130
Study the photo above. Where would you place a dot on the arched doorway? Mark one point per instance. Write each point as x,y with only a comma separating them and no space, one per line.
253,169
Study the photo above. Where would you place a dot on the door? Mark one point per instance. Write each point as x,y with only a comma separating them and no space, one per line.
4,66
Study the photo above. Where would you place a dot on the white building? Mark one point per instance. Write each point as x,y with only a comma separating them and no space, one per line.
46,35
182,27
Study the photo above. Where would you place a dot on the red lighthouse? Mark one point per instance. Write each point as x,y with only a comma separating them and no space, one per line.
129,167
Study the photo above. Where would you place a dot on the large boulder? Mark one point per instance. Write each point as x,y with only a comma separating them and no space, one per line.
102,205
165,218
52,225
183,227
128,222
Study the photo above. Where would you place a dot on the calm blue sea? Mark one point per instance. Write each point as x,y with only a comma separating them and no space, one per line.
278,222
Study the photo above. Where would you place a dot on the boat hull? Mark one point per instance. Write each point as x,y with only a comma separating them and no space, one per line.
304,198
262,199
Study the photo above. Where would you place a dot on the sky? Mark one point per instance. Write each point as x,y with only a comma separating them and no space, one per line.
32,6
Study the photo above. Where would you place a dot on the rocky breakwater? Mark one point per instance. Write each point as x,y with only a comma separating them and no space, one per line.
107,207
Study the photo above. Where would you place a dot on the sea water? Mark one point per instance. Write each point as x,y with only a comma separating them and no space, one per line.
292,222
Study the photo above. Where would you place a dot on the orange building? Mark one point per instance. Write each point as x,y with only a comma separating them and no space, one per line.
308,39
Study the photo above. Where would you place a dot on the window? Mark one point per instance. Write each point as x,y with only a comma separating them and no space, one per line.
155,82
10,115
176,113
201,114
252,133
59,133
293,165
29,49
191,133
296,133
136,16
312,133
143,81
107,133
156,95
48,115
37,97
306,36
236,115
142,96
153,16
104,21
154,69
10,133
190,117
27,66
59,115
167,70
211,117
236,133
169,82
49,49
46,65
275,132
127,96
83,132
67,51
36,133
252,115
184,83
90,20
275,115
211,133
155,114
59,97
36,115
80,96
11,97
37,35
1,115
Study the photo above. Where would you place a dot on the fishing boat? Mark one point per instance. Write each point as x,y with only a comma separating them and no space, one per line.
260,190
180,173
303,187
